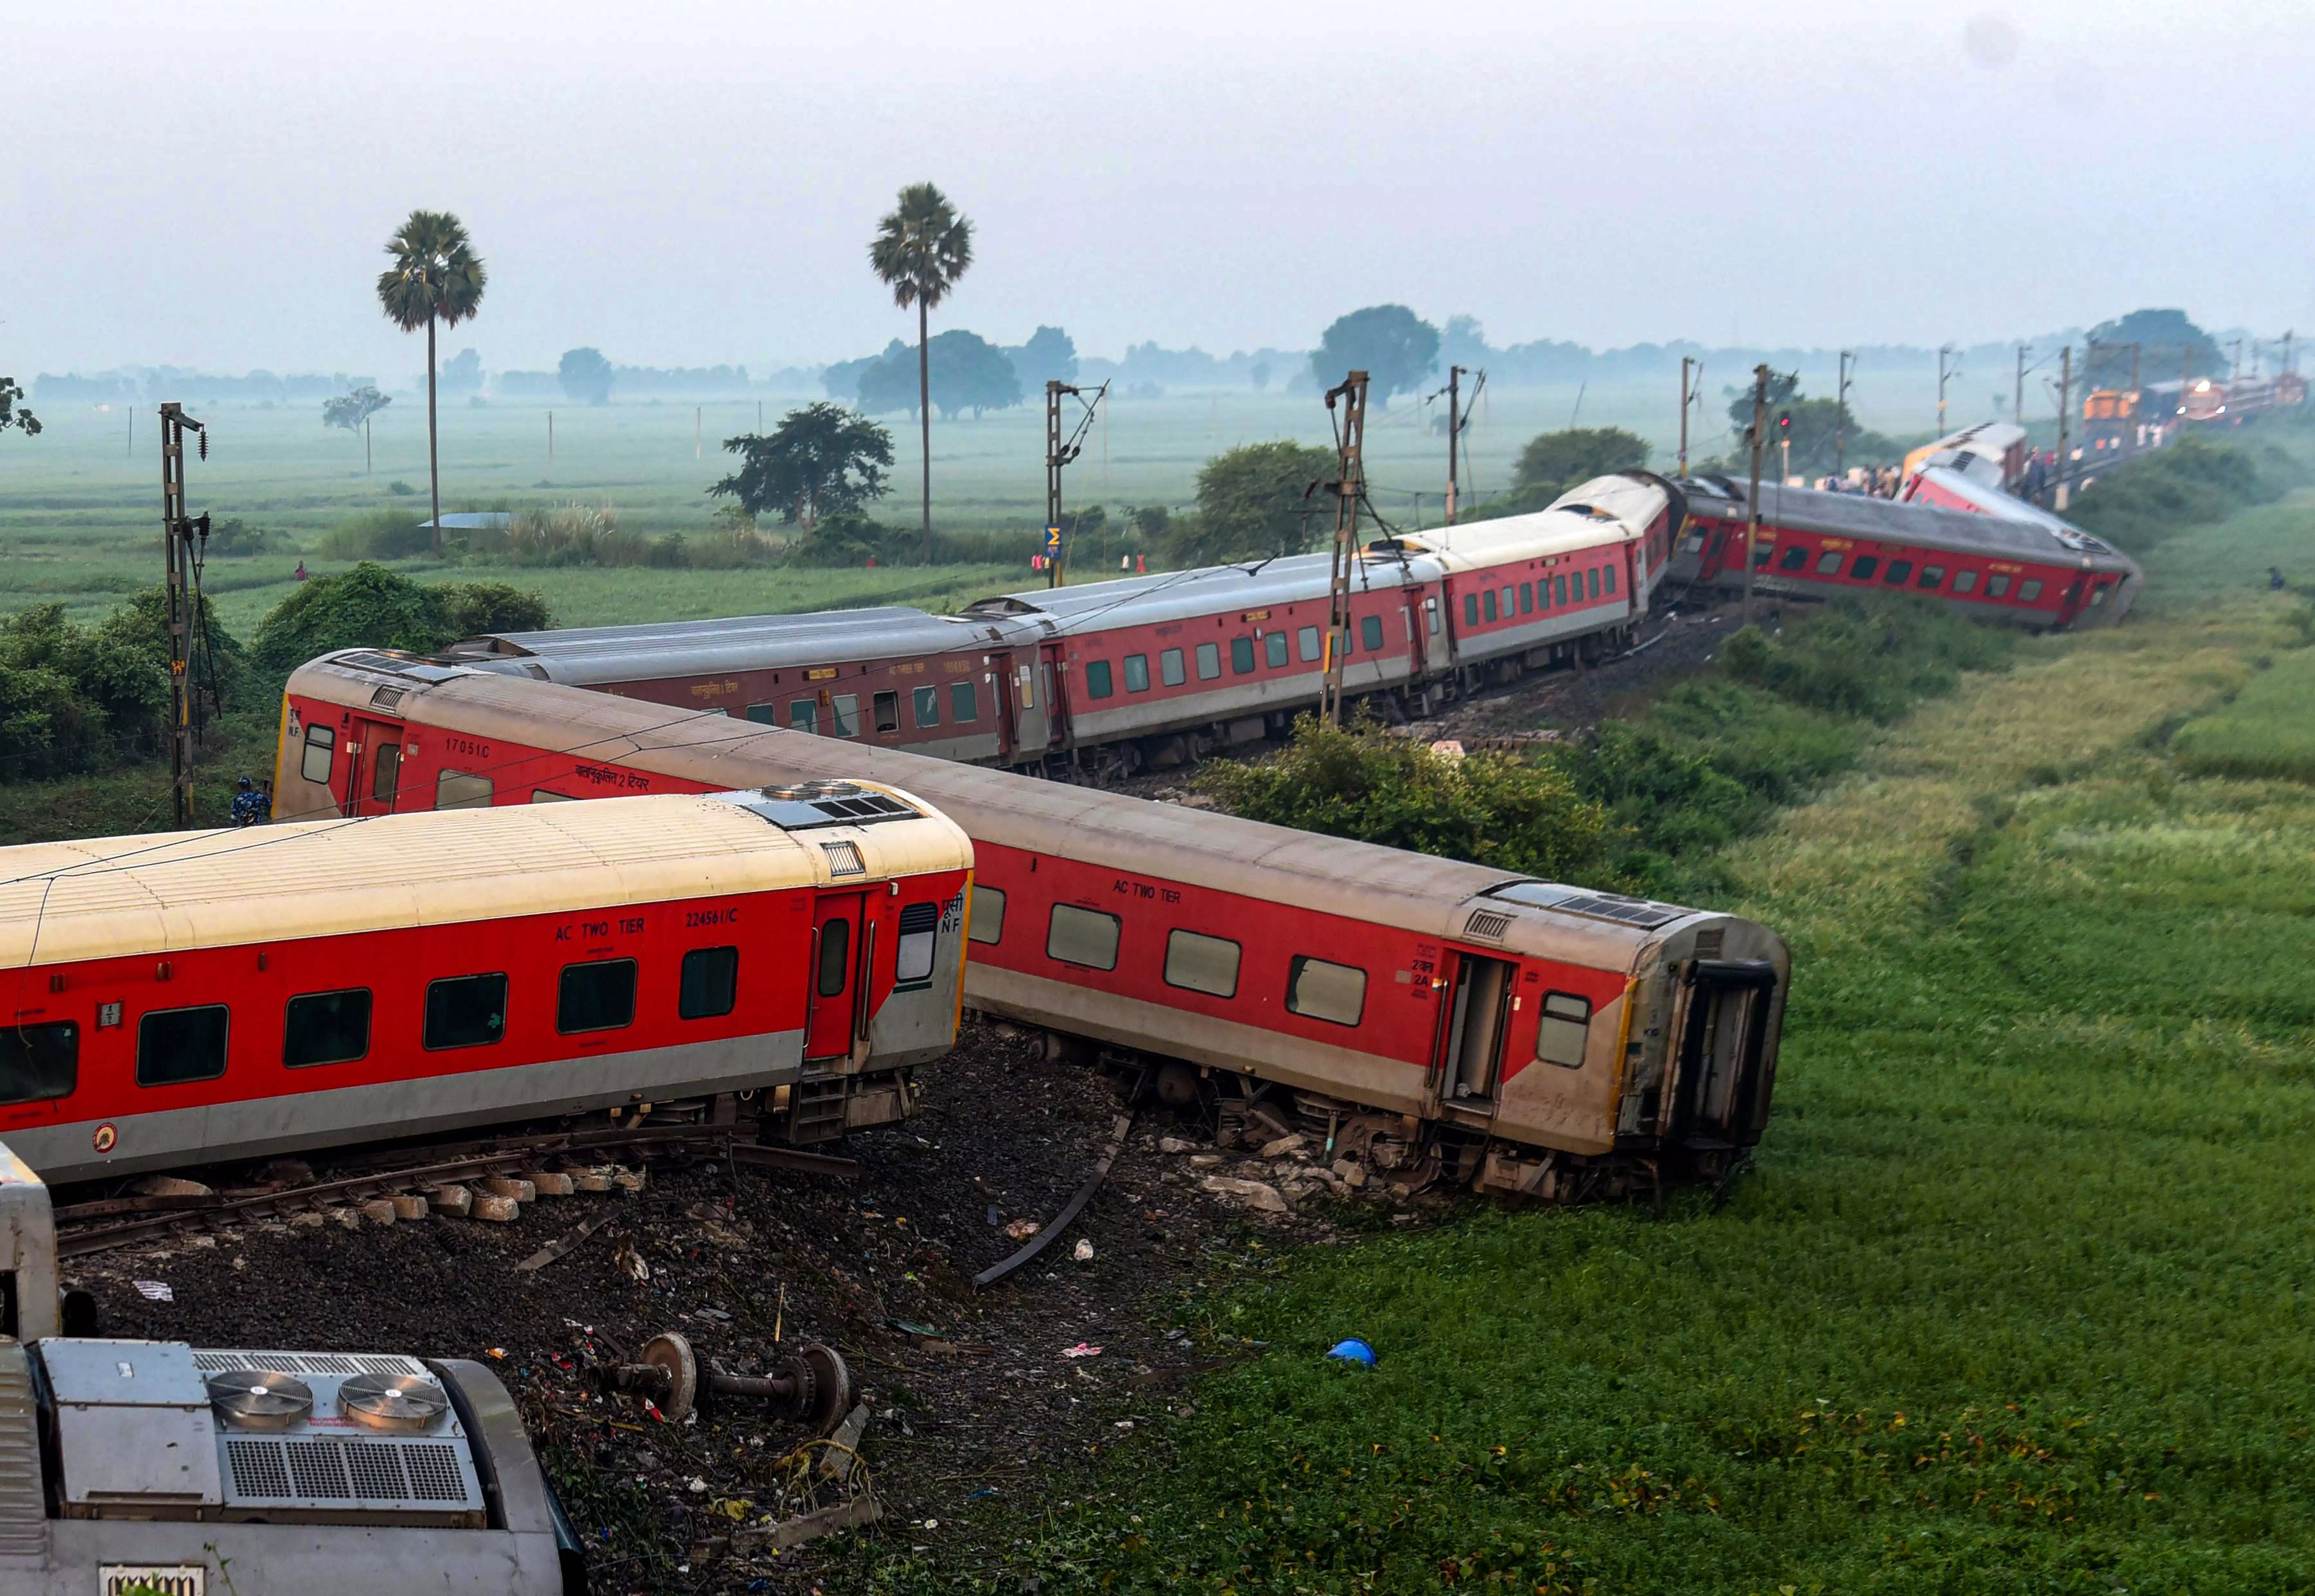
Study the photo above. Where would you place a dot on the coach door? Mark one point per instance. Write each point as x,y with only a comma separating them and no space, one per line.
1478,1016
1721,1045
373,768
840,962
1053,687
1027,701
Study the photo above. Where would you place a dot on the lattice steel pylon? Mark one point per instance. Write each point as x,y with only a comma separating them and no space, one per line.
1350,490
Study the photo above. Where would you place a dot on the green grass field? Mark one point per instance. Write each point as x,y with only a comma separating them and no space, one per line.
2015,1299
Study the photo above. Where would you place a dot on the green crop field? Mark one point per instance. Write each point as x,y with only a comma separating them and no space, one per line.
2015,1299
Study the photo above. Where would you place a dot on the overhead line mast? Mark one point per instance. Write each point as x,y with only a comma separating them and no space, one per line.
184,540
1350,489
1060,452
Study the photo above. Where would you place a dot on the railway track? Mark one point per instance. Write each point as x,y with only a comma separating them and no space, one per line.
111,1222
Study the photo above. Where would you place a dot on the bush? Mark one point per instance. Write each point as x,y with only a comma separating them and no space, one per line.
1361,782
73,697
2195,481
376,535
469,609
370,606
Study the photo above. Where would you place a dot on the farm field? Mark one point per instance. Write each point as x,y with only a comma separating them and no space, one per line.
2014,1299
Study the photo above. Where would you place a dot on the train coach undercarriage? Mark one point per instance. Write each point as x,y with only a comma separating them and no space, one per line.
1406,1153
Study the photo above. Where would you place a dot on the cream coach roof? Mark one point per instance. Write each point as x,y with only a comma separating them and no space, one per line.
121,896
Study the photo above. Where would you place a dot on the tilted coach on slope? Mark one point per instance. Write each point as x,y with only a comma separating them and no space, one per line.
1529,1036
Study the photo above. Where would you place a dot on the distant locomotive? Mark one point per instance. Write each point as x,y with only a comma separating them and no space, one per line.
216,995
1533,1037
1150,669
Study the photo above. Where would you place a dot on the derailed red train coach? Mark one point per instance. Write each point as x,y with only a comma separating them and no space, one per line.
1528,1036
210,996
2012,563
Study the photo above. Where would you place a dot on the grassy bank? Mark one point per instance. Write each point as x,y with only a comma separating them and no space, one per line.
2014,1299
2012,1303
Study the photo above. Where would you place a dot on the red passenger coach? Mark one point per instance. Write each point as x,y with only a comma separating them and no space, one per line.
1151,669
217,995
2015,564
1531,1036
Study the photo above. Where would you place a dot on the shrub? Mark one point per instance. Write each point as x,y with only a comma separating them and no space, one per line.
2194,480
1361,782
366,606
71,697
469,609
376,535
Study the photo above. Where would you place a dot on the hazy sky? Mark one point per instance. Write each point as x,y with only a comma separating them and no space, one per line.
683,182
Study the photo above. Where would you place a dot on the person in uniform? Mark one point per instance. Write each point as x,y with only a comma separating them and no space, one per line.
251,807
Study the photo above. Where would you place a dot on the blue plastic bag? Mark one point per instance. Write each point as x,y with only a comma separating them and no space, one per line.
1352,1350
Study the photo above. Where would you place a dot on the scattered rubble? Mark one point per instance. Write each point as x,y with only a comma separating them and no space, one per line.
979,1408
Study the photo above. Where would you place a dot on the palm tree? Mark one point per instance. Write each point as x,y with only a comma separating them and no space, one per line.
436,277
919,252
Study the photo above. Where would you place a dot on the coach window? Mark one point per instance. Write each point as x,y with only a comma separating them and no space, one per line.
386,774
1931,576
763,714
709,987
963,704
1864,568
1306,641
1277,650
1470,609
1241,656
1996,585
1797,555
1608,581
987,915
455,789
1487,605
803,715
1169,668
2028,591
1137,673
912,954
321,746
1198,964
928,707
600,995
835,958
465,1011
1430,619
1325,991
181,1045
549,795
1560,591
1560,1035
1592,579
1210,660
1965,582
326,1028
844,714
1828,563
1527,598
1511,602
1097,682
1899,570
1370,634
39,1063
1084,937
887,706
